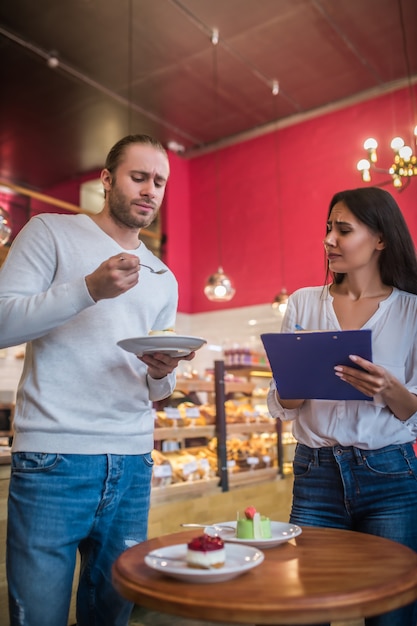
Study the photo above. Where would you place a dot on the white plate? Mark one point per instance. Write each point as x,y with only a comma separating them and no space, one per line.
174,345
281,533
239,559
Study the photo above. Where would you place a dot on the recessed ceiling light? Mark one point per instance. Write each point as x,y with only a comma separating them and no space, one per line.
175,146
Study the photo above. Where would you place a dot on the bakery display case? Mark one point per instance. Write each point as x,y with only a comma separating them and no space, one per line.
216,435
6,431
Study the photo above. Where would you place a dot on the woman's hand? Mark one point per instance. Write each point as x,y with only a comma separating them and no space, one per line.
370,380
374,379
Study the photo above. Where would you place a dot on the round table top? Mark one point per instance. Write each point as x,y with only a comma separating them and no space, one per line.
322,575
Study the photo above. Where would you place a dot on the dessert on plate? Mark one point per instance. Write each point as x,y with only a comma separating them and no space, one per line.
166,331
206,552
253,525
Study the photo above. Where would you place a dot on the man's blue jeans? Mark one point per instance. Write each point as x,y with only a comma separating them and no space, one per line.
371,491
59,504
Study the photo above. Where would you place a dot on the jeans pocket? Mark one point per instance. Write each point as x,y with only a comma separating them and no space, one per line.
301,467
148,460
33,462
389,463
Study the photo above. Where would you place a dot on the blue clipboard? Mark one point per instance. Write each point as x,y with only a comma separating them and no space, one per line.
302,363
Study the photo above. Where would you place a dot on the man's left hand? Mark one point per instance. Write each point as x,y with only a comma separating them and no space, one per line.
159,364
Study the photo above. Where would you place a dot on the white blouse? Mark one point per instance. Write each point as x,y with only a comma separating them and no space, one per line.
365,424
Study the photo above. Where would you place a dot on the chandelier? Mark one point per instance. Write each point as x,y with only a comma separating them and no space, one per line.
403,167
404,163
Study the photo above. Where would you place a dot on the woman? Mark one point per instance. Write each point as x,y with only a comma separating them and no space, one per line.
354,465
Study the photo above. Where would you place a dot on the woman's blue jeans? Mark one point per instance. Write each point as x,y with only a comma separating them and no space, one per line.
371,491
59,504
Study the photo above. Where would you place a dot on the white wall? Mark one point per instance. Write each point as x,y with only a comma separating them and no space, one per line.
225,329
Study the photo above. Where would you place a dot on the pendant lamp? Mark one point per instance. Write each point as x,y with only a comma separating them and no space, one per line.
218,286
279,304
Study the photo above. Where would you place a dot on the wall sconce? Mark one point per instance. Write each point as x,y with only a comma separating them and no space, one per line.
5,227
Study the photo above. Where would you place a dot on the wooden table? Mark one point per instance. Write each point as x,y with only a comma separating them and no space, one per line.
322,575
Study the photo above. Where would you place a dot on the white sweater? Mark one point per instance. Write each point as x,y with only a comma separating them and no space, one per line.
80,392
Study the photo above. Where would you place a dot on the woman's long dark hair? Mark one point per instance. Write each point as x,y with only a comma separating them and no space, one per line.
377,209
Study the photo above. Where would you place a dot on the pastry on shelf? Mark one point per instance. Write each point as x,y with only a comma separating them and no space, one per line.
162,470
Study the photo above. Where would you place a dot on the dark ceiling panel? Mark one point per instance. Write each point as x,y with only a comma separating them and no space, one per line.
147,66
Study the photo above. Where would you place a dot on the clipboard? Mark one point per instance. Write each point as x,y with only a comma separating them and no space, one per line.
302,363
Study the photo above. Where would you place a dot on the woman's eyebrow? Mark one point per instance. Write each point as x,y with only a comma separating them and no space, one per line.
338,222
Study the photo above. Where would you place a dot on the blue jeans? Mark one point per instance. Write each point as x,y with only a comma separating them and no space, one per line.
371,491
59,504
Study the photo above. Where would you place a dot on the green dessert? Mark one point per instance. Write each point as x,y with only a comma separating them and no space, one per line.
253,525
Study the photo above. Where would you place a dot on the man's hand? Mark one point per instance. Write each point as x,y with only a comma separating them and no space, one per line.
113,277
159,364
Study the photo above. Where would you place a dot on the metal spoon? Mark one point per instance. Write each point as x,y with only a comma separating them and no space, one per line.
217,527
161,271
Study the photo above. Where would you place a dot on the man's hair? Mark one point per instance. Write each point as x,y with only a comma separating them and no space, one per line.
115,155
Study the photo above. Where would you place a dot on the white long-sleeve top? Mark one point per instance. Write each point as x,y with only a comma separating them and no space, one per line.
80,392
368,425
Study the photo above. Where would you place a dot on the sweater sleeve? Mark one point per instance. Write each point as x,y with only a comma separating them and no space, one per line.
161,388
31,304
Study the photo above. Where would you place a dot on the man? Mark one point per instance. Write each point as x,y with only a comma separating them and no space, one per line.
71,288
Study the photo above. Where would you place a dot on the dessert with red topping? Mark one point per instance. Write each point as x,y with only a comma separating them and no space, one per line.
253,525
205,552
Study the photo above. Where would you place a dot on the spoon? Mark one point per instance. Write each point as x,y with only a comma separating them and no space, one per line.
216,527
161,271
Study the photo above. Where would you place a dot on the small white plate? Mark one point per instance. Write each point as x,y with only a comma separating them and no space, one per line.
281,533
239,559
174,345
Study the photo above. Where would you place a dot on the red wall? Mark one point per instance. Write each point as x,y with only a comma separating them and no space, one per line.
273,225
176,225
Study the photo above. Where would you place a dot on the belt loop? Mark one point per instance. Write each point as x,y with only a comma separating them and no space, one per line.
316,456
358,455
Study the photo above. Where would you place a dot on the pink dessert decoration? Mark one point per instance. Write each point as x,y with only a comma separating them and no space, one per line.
250,512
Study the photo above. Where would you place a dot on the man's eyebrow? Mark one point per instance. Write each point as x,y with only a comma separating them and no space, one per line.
148,174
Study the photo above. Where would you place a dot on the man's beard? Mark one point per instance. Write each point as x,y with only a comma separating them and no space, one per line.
120,211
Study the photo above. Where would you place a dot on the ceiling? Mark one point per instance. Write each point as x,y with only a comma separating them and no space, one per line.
150,66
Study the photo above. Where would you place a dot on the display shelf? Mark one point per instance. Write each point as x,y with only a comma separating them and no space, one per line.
194,384
5,456
184,490
201,488
250,428
236,479
197,385
183,432
250,371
